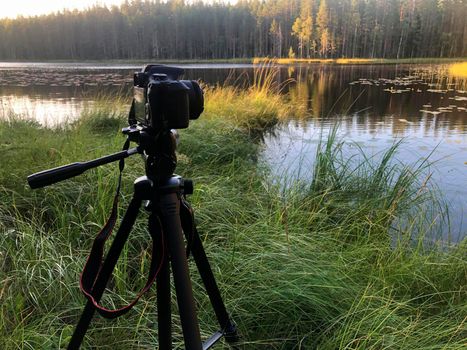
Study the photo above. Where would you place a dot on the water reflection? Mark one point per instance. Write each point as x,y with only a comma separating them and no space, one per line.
409,92
375,104
52,93
50,112
325,91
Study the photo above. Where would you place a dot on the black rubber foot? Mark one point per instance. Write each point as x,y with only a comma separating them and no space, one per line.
231,334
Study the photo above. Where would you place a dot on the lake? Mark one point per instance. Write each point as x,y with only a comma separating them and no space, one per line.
375,105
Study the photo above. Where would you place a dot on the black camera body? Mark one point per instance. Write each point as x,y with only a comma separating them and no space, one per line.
162,101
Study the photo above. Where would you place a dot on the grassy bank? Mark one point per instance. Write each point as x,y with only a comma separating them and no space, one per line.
319,268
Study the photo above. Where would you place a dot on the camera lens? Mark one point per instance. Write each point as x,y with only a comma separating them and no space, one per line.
195,97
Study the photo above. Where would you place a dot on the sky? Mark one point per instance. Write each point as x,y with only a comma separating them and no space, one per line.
13,8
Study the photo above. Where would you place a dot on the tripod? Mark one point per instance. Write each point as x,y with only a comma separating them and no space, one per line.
170,218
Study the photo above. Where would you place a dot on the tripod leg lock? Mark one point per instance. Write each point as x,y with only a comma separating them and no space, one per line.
143,188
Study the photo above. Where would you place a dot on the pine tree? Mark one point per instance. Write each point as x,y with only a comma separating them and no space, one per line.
322,20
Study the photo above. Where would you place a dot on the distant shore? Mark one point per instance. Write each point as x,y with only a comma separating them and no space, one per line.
262,60
423,60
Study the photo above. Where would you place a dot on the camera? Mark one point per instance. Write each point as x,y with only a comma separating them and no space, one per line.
162,101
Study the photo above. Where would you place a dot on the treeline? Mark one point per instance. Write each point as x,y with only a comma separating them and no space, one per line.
249,28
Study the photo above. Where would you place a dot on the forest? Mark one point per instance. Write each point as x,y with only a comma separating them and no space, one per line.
247,28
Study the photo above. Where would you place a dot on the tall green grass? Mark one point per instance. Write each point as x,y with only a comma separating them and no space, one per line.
256,107
324,267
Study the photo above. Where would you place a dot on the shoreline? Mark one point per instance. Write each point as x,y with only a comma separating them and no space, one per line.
261,60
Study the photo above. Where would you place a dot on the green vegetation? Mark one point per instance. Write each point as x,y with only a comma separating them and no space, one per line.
158,30
337,263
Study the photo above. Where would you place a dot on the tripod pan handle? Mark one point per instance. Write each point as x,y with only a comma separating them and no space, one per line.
51,176
48,177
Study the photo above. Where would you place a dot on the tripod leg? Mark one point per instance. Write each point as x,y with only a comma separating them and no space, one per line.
169,209
205,271
106,271
164,314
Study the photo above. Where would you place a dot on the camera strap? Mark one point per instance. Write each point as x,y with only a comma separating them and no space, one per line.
94,263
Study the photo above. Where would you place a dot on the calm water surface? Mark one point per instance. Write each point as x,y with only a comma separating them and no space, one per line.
375,106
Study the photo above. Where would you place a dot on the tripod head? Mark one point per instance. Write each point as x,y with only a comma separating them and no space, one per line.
158,148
